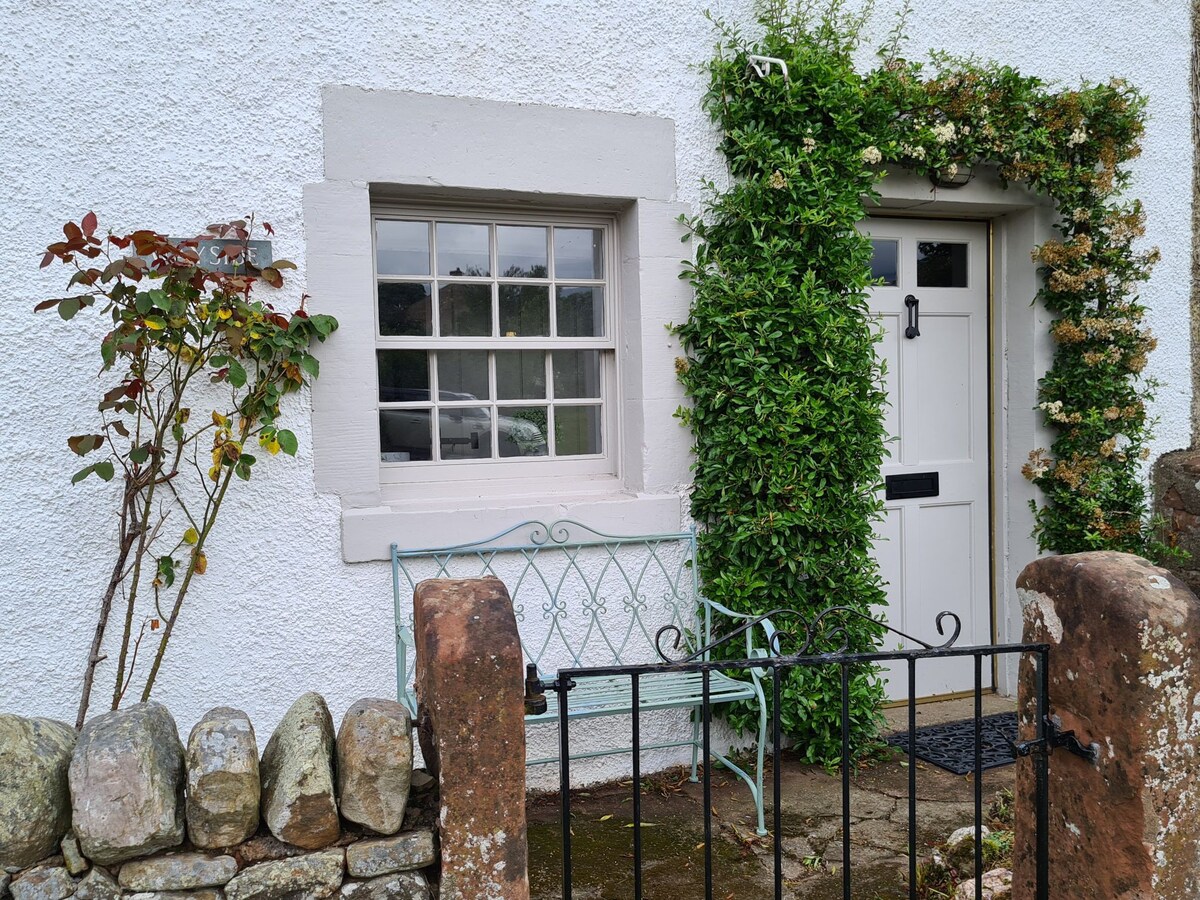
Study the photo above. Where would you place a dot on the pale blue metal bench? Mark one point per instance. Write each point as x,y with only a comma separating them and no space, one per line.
598,599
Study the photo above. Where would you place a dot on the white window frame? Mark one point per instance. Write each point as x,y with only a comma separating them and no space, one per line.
384,147
432,472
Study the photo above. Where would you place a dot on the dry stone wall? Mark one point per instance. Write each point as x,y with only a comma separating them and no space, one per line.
125,810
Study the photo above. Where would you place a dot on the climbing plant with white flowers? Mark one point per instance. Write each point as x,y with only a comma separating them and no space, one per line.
782,373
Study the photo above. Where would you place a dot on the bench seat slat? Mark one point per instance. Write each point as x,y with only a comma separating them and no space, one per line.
613,695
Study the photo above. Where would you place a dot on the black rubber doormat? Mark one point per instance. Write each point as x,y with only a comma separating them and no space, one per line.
951,745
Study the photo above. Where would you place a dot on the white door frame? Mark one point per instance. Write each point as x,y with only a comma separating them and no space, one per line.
1021,351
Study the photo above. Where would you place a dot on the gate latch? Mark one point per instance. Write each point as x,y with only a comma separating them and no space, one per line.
1056,737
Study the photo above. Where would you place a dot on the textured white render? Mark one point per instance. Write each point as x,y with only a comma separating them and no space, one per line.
176,115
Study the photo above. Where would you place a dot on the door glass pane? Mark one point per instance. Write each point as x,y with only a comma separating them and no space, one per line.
404,435
405,308
580,311
465,309
521,251
520,374
462,374
576,373
465,433
576,430
941,264
885,262
521,431
524,310
463,249
578,253
401,248
403,375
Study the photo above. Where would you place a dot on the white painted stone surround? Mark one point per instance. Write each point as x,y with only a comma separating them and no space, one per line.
177,118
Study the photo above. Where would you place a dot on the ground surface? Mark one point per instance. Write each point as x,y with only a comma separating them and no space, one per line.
673,830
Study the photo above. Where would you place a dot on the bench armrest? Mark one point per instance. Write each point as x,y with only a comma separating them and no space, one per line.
769,630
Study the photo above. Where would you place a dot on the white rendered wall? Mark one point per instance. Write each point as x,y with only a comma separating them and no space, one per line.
174,119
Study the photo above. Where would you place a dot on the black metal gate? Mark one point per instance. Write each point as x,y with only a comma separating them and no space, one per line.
771,669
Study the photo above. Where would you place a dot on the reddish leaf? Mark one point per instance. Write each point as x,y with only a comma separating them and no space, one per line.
268,229
119,427
48,304
272,277
89,224
46,260
72,231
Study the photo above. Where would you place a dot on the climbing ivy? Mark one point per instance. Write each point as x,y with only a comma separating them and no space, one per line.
784,381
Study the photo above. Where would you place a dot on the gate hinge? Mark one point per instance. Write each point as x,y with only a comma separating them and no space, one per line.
1056,737
535,690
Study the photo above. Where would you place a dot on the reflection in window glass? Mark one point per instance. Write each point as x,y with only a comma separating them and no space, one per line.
576,373
462,249
521,431
521,251
465,309
405,435
580,311
885,262
465,432
524,310
578,253
462,374
405,308
401,248
577,430
520,375
941,264
403,375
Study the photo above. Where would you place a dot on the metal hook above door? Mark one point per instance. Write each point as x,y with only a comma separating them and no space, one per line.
914,317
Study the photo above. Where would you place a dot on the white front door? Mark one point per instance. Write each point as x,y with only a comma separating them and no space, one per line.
933,544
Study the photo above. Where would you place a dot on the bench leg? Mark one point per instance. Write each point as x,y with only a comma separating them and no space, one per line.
696,742
762,743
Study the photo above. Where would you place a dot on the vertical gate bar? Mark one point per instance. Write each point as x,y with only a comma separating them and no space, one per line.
845,781
978,656
706,711
635,700
912,778
564,784
1042,778
777,777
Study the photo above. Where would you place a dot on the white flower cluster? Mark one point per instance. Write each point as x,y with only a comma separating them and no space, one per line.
945,132
809,144
871,156
1052,409
917,152
1078,136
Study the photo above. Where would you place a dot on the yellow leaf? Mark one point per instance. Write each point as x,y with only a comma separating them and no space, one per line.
201,564
191,536
224,313
214,474
219,419
606,818
273,447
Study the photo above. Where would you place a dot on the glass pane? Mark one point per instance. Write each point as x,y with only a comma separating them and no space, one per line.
462,374
580,311
521,431
404,435
405,308
465,309
466,433
520,374
521,251
403,375
578,253
940,264
524,310
463,249
576,373
401,248
885,262
577,430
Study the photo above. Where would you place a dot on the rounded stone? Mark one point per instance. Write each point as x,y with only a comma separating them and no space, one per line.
374,764
299,801
35,804
222,780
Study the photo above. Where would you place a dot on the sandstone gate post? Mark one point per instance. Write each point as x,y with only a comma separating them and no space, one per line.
1124,674
471,724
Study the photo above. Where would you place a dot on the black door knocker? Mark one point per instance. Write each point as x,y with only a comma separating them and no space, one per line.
914,317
